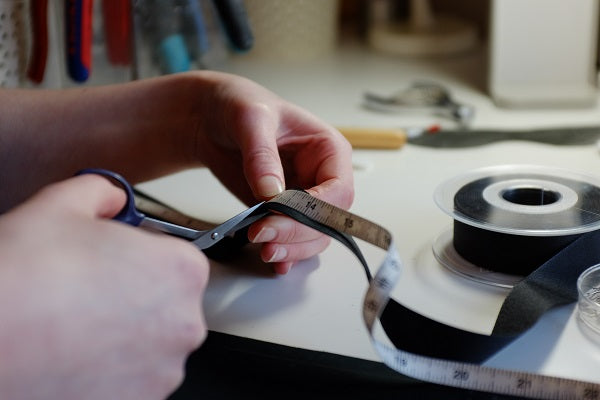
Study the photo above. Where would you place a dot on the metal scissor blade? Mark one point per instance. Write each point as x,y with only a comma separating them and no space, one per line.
168,227
210,237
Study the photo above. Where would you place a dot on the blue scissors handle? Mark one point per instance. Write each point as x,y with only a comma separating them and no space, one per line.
204,239
128,214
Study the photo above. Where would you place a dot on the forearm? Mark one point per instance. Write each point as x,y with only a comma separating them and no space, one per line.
141,129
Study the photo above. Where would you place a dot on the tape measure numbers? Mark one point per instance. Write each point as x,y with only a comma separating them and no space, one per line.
343,226
457,374
439,371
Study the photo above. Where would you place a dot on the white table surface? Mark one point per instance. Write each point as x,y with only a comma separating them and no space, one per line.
318,304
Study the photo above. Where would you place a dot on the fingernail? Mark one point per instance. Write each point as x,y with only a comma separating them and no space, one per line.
269,186
265,235
280,254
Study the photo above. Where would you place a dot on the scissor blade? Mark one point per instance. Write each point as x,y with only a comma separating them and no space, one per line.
168,227
243,219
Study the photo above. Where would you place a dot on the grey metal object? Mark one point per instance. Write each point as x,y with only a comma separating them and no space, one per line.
566,136
430,97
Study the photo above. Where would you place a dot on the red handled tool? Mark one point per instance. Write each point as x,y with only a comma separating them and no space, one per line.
116,15
39,32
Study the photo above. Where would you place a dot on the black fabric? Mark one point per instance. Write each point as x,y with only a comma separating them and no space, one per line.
232,367
227,366
551,285
508,254
412,332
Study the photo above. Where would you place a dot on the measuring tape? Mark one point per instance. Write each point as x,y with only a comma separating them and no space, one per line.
343,225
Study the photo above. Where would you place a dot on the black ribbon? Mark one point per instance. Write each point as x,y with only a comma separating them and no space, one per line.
550,285
553,284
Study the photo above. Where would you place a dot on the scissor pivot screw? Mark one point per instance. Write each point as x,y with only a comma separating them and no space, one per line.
214,235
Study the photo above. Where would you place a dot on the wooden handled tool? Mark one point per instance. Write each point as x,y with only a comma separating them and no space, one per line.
374,138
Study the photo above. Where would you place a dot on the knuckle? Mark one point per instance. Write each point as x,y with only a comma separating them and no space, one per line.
336,192
347,198
171,379
289,231
52,193
325,242
251,113
191,264
196,333
344,144
244,115
192,330
262,155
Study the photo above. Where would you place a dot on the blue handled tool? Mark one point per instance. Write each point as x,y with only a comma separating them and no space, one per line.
236,25
164,29
201,239
78,18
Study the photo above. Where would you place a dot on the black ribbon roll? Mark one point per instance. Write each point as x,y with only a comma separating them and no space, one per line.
506,253
519,254
551,285
549,264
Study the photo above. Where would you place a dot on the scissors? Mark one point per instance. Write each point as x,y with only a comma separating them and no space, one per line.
202,239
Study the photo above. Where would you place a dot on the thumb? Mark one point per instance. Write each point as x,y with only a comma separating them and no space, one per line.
88,194
262,165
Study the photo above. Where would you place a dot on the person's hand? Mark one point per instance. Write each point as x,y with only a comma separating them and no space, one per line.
257,144
93,308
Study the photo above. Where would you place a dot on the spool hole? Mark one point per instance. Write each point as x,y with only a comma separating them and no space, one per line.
530,196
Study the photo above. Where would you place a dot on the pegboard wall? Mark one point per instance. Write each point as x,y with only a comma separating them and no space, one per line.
13,42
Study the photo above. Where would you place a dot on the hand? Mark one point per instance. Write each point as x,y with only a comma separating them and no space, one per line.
257,144
93,308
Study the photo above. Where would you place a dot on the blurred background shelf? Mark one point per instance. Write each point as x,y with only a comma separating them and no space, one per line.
332,87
